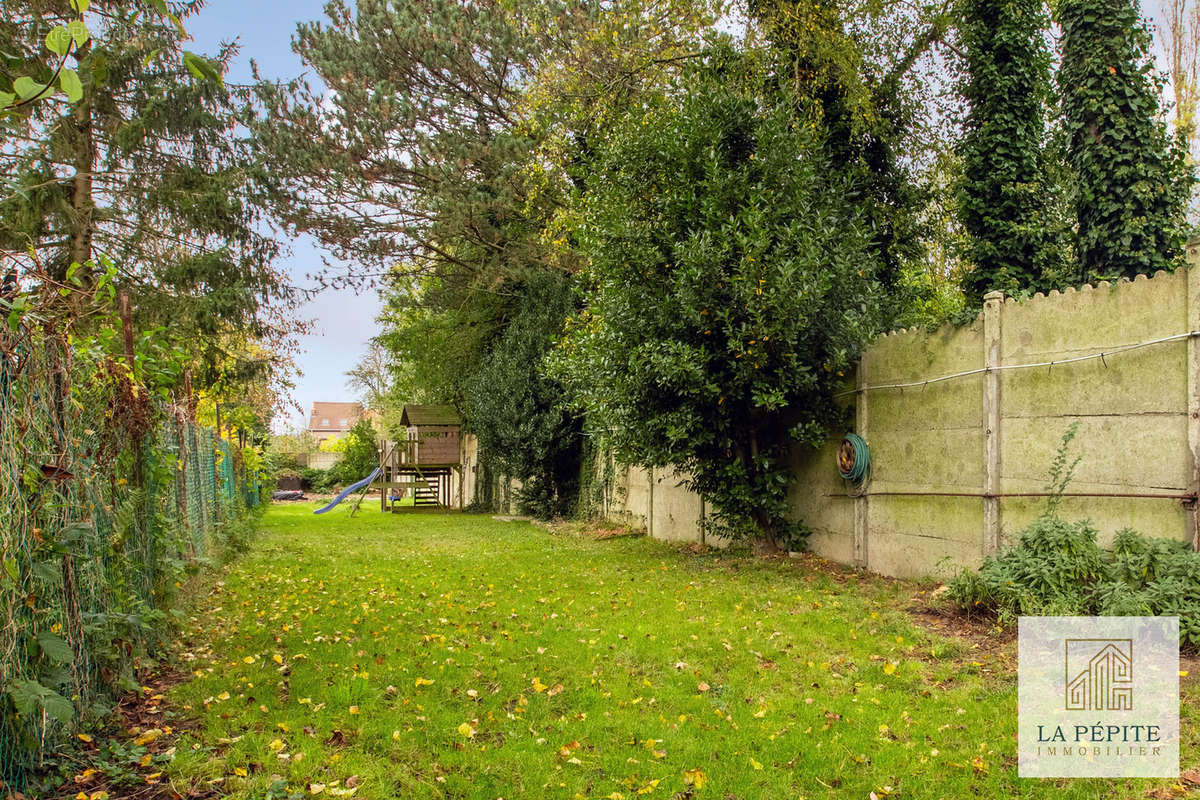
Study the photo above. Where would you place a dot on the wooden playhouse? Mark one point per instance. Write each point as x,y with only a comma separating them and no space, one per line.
427,463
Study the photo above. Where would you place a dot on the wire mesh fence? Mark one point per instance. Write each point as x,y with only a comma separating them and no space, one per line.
107,497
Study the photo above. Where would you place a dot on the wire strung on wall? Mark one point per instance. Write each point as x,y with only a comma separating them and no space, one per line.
1000,367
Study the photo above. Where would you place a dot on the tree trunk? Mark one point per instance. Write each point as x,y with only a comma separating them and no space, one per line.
82,203
84,162
765,544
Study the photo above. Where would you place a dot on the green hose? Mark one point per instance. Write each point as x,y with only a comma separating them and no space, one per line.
854,458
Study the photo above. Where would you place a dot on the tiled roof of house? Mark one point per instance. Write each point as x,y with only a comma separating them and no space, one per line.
329,416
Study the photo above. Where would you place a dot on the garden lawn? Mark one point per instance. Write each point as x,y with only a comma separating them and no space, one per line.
451,655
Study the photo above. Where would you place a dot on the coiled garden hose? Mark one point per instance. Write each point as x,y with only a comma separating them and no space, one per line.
854,458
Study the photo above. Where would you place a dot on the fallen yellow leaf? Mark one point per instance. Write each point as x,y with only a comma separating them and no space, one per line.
147,737
695,777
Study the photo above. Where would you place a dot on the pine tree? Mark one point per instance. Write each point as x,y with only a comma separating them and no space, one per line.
143,169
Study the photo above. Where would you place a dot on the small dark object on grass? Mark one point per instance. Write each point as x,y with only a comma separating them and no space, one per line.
290,494
56,473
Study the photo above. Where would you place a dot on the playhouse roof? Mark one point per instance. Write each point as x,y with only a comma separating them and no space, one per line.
417,416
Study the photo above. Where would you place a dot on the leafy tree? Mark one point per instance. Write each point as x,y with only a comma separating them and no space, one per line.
734,277
293,442
1132,182
436,337
444,161
369,377
361,454
38,70
522,419
1004,193
419,161
848,67
1182,43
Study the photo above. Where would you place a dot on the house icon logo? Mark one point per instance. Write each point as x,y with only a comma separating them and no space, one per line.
1099,674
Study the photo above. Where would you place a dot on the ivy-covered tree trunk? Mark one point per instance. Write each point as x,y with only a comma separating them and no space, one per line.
1003,196
1132,182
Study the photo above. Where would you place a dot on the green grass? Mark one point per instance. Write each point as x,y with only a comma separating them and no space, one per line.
563,666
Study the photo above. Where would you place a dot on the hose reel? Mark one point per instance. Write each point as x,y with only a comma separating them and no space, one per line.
854,459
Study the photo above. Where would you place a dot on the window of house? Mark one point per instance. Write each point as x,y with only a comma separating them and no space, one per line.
345,423
325,422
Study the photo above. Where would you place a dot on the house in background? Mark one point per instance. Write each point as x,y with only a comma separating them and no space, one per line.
333,420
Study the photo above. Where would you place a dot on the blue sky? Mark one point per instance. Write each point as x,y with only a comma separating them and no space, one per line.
344,320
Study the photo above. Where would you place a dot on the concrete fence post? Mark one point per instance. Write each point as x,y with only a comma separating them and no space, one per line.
650,502
862,518
993,309
1193,383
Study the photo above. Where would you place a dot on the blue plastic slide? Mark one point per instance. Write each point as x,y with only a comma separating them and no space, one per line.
349,490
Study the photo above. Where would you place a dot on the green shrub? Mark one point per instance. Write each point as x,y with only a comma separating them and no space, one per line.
318,480
361,455
1058,568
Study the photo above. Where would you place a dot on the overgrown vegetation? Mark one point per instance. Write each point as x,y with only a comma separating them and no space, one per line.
718,323
112,493
520,414
551,170
1058,568
139,353
1005,192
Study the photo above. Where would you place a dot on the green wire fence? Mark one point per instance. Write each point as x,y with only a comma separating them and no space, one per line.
107,498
